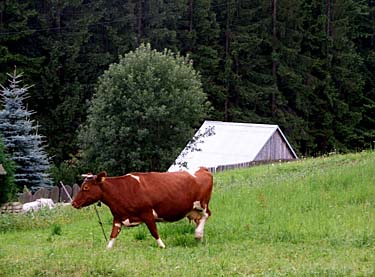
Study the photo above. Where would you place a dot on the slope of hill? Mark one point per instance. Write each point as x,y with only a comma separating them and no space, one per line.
313,216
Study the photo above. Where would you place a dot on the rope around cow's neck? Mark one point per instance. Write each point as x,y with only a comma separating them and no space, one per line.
100,221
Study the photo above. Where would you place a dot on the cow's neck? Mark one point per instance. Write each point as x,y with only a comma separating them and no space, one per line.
109,195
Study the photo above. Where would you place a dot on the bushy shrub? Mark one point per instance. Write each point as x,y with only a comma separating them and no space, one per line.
144,111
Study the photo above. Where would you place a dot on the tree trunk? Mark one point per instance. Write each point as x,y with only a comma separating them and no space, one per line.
190,15
2,11
274,62
227,45
139,20
328,15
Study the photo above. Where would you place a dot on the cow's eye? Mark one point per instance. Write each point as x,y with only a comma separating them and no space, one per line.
85,187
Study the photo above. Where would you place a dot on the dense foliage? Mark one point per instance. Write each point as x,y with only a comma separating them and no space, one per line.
306,65
144,108
22,142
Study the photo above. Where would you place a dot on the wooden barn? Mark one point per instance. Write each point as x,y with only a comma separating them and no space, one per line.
234,145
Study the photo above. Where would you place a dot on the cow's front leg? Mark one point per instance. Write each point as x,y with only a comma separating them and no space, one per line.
116,228
149,219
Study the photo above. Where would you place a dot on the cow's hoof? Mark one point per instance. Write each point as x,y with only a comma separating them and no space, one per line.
110,244
198,236
160,243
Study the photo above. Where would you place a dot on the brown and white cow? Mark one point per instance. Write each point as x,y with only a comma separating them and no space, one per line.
138,198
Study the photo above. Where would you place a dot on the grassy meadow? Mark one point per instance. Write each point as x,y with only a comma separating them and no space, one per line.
304,218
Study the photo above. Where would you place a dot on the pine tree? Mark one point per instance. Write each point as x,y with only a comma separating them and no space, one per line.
160,19
290,69
21,140
334,82
73,37
17,41
198,36
364,26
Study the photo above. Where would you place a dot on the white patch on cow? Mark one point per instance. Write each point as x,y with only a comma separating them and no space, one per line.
127,223
118,225
192,172
160,243
198,234
193,175
135,177
154,214
197,206
110,243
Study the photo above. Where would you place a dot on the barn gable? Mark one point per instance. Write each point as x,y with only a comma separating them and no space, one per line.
236,145
276,148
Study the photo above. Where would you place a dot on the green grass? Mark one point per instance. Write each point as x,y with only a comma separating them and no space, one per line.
314,217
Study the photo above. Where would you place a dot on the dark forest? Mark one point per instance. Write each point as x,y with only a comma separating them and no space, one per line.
306,65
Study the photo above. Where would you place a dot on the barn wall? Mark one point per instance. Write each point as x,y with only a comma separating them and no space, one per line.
275,149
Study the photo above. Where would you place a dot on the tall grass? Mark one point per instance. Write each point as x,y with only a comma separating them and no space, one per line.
310,217
317,199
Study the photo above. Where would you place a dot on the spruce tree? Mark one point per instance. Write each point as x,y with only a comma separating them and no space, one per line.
365,40
334,82
17,38
198,35
22,142
78,48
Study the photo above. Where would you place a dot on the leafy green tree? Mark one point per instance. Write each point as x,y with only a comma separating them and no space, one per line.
143,112
7,183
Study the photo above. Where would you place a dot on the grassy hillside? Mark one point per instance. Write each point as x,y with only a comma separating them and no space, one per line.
310,217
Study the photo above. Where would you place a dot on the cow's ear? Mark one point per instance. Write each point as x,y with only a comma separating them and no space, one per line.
101,176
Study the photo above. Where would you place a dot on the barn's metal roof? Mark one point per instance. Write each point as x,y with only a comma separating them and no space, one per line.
232,143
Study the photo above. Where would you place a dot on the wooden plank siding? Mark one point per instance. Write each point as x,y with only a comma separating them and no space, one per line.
275,149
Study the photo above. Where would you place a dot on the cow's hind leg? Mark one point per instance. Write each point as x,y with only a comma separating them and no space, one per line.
198,234
151,225
201,220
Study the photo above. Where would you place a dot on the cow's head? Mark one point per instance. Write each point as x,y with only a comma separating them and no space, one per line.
91,190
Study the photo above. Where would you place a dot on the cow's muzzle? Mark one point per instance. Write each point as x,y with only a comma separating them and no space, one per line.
76,205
